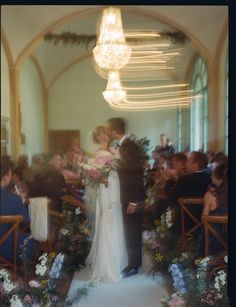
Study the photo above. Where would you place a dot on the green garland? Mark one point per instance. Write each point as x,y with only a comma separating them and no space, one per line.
84,40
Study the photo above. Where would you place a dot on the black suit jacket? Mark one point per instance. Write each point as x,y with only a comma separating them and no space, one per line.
195,184
131,173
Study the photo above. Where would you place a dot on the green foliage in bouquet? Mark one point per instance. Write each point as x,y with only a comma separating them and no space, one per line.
73,238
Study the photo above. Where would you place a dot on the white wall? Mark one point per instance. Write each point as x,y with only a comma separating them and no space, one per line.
31,104
5,95
76,102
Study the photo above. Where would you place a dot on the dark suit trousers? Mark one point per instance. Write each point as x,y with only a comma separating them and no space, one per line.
133,233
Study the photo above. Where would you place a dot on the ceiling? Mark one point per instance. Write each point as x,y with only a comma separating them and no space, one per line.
25,25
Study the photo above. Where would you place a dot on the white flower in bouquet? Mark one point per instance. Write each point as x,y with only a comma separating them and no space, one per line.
34,284
63,231
77,211
220,280
7,285
40,269
15,301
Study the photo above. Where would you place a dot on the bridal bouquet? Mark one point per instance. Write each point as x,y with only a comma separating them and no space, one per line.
97,170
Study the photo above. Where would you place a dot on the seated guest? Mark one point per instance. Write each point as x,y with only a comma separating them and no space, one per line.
49,181
11,204
22,164
216,202
69,174
196,181
36,165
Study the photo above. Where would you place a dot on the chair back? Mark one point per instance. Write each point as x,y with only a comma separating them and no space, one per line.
14,221
211,223
187,206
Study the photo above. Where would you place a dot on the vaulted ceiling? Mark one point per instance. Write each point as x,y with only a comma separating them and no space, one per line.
24,26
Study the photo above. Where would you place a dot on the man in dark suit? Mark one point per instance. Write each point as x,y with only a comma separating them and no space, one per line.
131,175
197,179
194,183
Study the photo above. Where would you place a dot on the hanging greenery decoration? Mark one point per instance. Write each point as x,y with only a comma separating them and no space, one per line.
84,40
70,38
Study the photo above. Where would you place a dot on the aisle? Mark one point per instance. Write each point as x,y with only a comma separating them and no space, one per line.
138,290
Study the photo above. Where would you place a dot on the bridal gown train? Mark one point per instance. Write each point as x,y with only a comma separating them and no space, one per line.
108,254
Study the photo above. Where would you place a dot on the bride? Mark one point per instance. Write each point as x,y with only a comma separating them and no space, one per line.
108,254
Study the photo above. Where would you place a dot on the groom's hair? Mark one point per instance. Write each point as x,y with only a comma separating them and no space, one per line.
117,124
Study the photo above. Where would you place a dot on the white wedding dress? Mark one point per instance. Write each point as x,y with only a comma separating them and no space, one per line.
108,254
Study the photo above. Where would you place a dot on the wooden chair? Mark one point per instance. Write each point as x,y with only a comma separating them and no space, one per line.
55,222
210,223
15,221
187,214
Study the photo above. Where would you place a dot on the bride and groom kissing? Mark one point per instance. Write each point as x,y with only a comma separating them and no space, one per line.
116,249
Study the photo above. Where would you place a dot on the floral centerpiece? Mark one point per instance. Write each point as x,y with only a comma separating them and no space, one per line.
161,243
97,170
191,286
73,238
40,291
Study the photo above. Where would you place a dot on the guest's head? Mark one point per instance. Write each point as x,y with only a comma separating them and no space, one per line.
38,159
23,161
6,171
179,163
163,139
219,170
196,161
218,156
117,127
220,179
55,160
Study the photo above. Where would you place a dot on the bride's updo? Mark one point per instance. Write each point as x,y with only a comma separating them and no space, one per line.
98,131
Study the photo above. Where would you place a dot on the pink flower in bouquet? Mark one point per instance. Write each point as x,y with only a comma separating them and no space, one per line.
27,299
94,173
103,160
176,301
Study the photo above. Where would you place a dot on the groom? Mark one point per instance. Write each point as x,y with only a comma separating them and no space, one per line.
131,175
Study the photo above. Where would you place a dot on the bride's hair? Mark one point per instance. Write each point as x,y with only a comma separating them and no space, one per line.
97,131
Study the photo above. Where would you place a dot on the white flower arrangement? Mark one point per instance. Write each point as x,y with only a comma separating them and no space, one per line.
220,280
15,301
7,285
41,267
77,211
166,218
64,231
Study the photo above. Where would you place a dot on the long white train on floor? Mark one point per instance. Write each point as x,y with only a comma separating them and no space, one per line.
135,291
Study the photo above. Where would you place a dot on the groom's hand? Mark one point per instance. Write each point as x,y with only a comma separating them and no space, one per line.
132,208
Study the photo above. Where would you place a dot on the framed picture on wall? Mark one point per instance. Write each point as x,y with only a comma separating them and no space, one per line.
4,135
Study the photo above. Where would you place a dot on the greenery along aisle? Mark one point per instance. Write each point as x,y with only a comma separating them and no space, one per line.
192,287
52,270
41,291
161,242
73,239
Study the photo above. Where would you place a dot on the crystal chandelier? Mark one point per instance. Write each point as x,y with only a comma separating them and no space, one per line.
111,51
114,92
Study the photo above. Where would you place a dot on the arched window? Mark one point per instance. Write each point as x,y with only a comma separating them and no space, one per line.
226,106
199,106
